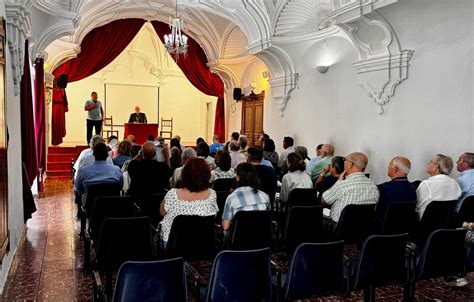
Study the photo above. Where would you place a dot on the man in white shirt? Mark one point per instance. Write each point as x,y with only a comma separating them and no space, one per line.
288,143
439,186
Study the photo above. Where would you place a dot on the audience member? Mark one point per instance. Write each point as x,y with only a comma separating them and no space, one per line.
314,160
86,157
246,197
295,178
174,142
288,148
353,187
203,151
327,152
465,165
100,172
398,188
188,153
133,153
131,138
262,138
179,139
123,153
199,140
243,144
151,138
269,152
215,146
234,136
330,175
162,151
235,156
303,152
148,176
175,158
193,198
223,170
266,175
112,146
439,186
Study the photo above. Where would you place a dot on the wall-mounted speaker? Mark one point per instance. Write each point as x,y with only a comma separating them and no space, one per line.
237,94
62,80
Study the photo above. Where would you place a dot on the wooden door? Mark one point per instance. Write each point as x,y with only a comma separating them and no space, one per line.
252,117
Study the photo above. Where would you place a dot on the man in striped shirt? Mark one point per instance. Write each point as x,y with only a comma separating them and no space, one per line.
353,187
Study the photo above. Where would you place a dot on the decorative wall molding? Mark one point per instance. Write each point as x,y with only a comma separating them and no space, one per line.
380,76
18,27
281,89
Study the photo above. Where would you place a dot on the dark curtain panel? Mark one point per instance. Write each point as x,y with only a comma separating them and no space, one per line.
29,206
98,49
28,144
40,121
194,66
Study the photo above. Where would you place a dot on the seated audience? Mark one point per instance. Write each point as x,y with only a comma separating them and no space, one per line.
465,166
203,152
327,152
148,176
439,186
175,158
193,198
269,152
266,175
314,160
174,142
99,172
353,187
246,197
112,145
199,140
398,188
303,152
133,153
179,140
188,153
288,148
330,175
235,156
162,151
262,138
131,138
295,178
215,146
123,153
86,157
243,144
223,169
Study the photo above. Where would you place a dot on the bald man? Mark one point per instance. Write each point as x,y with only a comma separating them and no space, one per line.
326,154
398,188
353,187
137,117
147,175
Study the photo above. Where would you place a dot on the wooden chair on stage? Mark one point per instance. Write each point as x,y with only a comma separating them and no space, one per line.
166,129
108,122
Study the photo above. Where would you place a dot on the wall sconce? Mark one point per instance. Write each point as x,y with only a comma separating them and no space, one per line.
266,74
322,69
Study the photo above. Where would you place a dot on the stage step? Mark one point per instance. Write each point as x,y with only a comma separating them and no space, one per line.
62,150
59,160
59,174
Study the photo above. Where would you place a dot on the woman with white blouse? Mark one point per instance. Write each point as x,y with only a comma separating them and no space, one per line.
295,178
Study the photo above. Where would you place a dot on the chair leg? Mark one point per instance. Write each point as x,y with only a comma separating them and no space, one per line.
108,283
369,294
87,255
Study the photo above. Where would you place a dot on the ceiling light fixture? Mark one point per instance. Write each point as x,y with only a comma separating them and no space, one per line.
176,43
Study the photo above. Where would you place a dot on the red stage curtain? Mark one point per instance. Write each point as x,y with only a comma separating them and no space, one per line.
194,66
28,146
39,121
98,49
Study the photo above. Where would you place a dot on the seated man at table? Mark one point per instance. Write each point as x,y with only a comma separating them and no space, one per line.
137,117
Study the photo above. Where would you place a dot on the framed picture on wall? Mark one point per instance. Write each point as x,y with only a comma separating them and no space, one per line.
3,150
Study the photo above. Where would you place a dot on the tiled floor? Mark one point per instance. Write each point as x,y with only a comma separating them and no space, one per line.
48,264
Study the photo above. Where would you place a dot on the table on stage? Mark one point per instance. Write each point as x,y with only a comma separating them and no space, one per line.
141,131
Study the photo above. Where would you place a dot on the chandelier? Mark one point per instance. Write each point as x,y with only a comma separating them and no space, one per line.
176,43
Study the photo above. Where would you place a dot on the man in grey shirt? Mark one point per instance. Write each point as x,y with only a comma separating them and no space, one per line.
95,115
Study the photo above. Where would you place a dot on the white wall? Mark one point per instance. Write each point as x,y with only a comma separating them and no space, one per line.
431,112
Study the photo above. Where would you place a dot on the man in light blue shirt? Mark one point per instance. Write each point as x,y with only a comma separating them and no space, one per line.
100,172
465,165
314,160
95,115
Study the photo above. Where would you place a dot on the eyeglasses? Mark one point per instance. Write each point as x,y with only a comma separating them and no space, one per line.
345,159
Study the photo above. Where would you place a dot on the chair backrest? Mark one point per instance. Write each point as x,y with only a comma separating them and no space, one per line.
438,215
109,207
241,276
93,191
250,230
470,260
150,206
303,197
466,212
221,199
356,223
303,224
192,237
123,239
163,280
109,121
223,184
382,260
400,218
444,254
315,269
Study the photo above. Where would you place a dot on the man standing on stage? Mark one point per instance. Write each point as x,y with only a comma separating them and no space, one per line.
137,117
95,115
